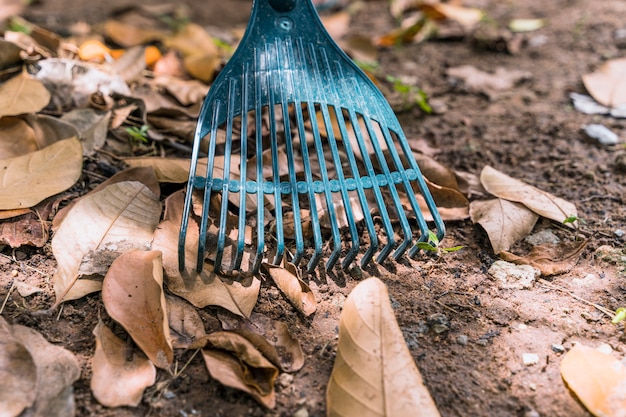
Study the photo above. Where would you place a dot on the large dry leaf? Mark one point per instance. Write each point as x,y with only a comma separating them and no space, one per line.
597,379
549,258
476,80
57,370
18,374
133,296
170,170
22,94
26,180
186,325
505,222
10,53
541,202
608,84
97,229
116,379
205,288
289,283
374,373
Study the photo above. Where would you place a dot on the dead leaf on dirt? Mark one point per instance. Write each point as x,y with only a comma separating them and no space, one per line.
27,229
374,373
28,179
128,35
22,94
288,281
29,133
505,222
168,170
549,258
97,229
608,84
92,126
186,326
479,81
243,368
336,24
132,293
466,17
57,370
187,92
237,295
271,337
18,374
541,202
200,52
597,379
118,380
131,64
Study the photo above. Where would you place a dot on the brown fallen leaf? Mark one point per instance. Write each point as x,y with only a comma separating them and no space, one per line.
186,326
116,379
598,380
128,35
288,281
549,258
238,295
28,179
22,94
168,170
608,84
132,293
479,81
374,373
505,222
541,202
32,132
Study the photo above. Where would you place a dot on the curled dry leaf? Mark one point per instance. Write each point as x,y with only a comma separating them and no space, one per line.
541,202
245,368
117,380
374,373
549,258
504,221
205,288
169,170
608,84
288,281
92,126
597,379
186,325
26,180
133,296
99,227
22,94
18,374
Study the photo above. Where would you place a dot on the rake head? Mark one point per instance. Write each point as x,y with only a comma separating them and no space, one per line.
301,146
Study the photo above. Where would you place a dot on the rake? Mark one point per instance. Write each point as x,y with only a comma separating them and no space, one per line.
301,146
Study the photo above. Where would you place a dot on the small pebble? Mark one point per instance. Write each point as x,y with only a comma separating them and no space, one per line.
482,342
462,339
619,233
530,359
284,380
605,348
303,412
438,322
531,413
602,134
532,386
557,348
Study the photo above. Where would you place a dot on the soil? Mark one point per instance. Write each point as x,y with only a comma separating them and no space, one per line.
472,362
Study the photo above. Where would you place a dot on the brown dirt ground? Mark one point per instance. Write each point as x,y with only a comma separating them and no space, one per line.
531,133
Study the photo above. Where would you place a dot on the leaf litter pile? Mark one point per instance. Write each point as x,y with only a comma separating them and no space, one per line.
95,140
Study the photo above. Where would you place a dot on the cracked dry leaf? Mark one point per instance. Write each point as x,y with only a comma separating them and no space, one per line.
598,380
186,325
132,293
96,230
22,94
116,379
541,202
29,179
505,222
243,368
374,374
288,281
238,295
549,258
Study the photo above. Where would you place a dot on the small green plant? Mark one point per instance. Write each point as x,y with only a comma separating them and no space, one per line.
572,218
411,94
620,315
138,135
433,245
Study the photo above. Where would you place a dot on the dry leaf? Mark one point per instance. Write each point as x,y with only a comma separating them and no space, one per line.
133,296
97,229
127,35
483,82
205,288
18,374
26,180
505,222
549,258
541,202
170,170
187,92
116,379
57,370
608,84
131,64
92,126
467,17
186,325
297,291
597,379
374,373
22,94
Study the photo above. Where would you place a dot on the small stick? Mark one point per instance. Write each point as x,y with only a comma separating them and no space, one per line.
574,296
4,303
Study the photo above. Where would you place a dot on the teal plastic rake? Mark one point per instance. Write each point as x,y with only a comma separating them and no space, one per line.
303,149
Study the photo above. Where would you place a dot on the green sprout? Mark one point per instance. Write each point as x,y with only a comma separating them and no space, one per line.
572,218
433,245
620,315
411,94
138,135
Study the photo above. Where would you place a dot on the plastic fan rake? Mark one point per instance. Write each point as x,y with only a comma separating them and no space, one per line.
302,147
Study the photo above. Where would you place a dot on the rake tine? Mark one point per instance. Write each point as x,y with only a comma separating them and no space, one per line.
243,169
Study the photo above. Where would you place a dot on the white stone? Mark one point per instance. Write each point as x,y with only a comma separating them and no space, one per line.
530,359
512,276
